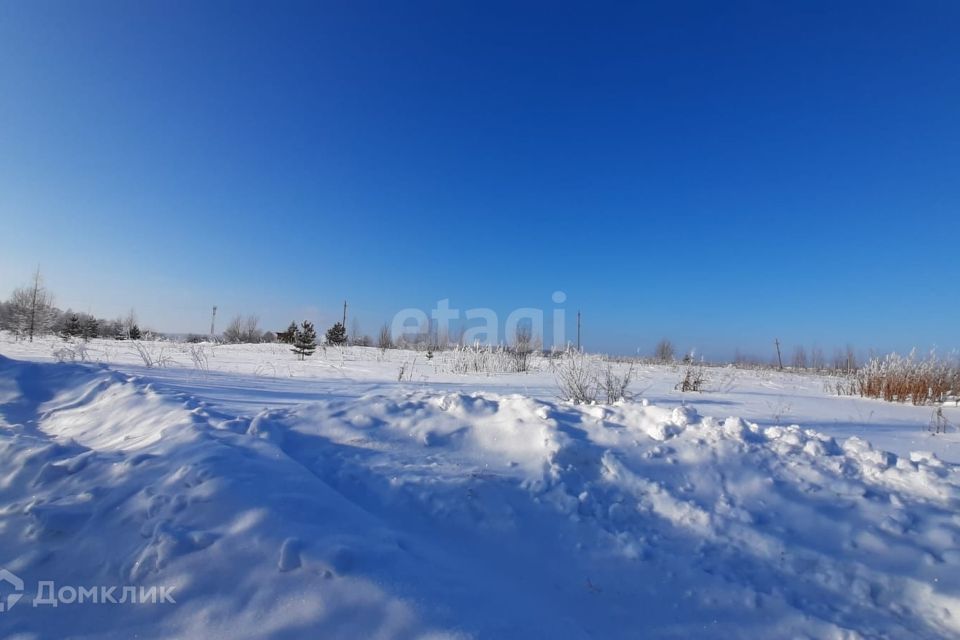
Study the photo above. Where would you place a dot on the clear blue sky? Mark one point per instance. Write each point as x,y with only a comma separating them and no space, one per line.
719,173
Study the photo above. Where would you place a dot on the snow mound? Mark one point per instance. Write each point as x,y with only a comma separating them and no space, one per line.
412,513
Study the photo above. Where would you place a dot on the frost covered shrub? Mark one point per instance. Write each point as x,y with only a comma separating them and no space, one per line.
522,350
615,386
693,378
198,355
479,359
896,378
577,378
583,379
152,359
71,352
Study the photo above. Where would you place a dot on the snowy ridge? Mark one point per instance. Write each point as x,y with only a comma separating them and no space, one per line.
414,513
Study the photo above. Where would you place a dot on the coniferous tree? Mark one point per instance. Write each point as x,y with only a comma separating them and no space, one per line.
117,330
337,334
305,340
289,335
73,328
135,332
90,328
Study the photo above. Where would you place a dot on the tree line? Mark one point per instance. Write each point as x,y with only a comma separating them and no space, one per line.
30,312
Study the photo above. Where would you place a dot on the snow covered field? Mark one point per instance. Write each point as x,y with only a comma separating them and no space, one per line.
325,498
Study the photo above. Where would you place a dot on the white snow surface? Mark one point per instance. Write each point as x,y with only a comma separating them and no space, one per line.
285,499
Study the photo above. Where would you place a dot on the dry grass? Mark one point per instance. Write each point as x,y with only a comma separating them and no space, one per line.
896,378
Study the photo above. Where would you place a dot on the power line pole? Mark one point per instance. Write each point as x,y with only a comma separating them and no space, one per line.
578,331
213,319
344,314
776,341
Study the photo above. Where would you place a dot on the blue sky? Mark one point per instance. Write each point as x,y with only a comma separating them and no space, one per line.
719,173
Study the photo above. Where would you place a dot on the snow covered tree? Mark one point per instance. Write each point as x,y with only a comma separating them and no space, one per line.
243,329
523,347
117,330
73,327
32,308
664,352
6,317
305,340
131,329
385,339
90,327
337,334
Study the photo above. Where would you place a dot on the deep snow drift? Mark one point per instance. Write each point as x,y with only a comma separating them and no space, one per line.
391,510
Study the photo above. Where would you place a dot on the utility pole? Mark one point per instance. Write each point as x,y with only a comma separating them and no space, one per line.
344,314
578,331
213,319
776,341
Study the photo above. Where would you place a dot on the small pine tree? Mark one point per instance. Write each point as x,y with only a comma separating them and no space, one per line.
135,332
337,334
305,340
73,327
91,326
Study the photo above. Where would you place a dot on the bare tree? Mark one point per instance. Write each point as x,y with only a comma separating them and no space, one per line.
130,327
799,358
233,330
442,338
664,351
243,329
32,308
851,359
522,348
385,339
130,321
845,360
816,358
251,329
355,332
